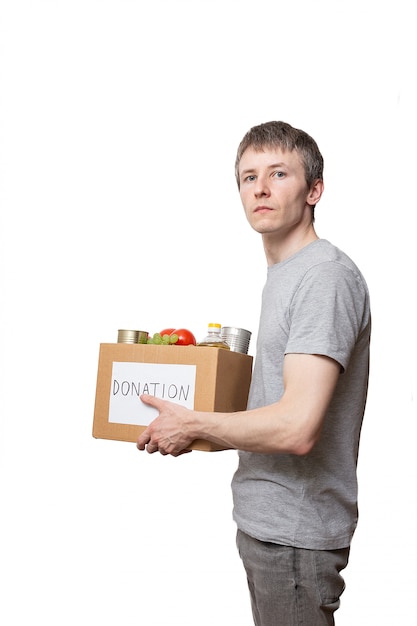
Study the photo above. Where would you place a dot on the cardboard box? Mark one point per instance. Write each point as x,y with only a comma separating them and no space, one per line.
205,379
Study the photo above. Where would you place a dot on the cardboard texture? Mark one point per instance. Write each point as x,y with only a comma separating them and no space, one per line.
222,380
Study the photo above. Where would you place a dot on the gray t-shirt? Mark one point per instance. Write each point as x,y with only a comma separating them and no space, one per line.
315,302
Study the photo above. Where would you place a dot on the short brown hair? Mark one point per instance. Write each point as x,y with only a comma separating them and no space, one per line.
282,135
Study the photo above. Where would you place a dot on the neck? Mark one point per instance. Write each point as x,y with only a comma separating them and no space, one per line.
277,249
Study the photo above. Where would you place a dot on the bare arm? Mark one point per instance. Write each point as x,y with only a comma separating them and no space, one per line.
291,425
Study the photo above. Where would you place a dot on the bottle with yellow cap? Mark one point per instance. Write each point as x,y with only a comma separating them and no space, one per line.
213,339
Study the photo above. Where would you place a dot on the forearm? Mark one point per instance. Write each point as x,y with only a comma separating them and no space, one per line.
290,426
269,430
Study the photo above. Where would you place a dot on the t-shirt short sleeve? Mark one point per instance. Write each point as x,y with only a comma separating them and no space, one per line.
326,313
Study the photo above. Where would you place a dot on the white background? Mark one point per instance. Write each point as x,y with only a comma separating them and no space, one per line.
119,209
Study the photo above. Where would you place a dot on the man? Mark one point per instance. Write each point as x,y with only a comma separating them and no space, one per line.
295,489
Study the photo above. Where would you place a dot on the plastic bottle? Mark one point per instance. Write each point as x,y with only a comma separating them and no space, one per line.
213,338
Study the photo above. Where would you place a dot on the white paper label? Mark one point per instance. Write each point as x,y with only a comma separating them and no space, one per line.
172,382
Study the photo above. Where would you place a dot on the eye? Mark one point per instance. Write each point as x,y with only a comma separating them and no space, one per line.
250,178
278,174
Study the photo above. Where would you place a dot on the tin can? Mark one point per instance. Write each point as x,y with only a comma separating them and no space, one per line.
237,338
132,336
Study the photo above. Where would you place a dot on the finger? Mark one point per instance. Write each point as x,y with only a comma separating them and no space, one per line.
143,439
151,400
152,447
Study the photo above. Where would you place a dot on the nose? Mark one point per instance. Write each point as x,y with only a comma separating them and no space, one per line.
261,188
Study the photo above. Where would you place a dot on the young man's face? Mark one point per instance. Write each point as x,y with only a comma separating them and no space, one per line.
274,191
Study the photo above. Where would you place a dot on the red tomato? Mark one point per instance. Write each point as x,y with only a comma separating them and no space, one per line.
166,331
185,337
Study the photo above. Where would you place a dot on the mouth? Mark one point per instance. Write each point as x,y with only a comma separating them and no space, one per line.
262,209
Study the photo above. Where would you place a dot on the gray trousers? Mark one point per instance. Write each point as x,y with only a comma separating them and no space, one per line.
292,586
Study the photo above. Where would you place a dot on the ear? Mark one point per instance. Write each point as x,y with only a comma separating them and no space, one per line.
315,192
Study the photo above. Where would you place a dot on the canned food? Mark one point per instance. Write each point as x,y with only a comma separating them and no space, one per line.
132,336
237,338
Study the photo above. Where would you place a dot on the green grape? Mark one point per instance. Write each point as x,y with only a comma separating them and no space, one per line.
165,340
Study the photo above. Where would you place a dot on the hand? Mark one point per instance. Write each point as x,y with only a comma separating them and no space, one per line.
167,433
